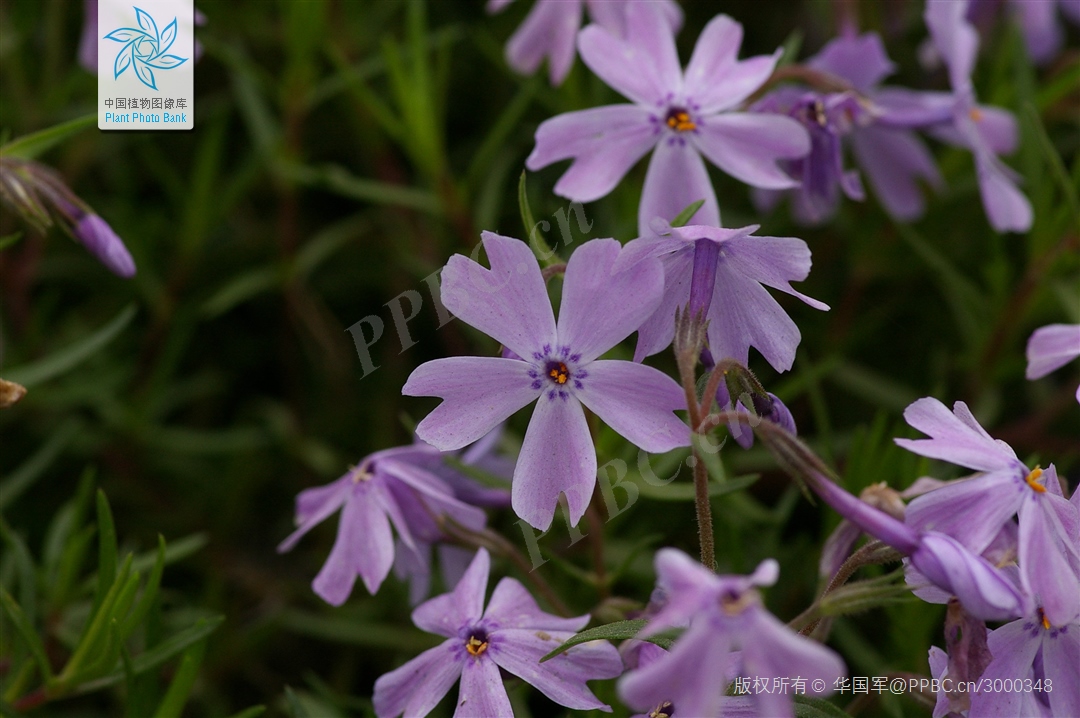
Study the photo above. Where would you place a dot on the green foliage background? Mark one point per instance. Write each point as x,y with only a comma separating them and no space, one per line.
342,151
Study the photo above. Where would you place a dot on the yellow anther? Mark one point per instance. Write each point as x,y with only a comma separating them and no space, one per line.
680,121
475,646
559,373
976,114
661,711
1032,481
1045,622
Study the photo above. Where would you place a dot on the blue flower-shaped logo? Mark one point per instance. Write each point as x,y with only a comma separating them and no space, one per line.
144,49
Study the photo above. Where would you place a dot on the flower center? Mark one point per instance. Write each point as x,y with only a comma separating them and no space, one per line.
679,120
975,114
558,372
476,644
734,602
363,472
1032,481
1045,620
664,710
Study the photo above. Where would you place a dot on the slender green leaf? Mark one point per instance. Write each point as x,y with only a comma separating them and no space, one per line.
30,146
29,635
71,356
34,467
296,709
24,565
150,591
9,240
172,705
536,240
618,631
106,549
96,631
1057,167
158,654
683,217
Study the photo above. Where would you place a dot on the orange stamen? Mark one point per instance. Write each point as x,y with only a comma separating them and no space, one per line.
976,114
475,646
681,122
559,373
1031,481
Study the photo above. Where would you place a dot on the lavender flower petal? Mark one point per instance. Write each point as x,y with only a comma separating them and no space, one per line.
364,546
657,331
981,588
748,146
643,66
744,315
694,671
478,392
556,456
605,142
954,37
482,692
601,307
511,606
775,650
549,30
861,60
636,401
444,615
894,161
313,506
955,437
417,687
715,78
1014,653
562,679
971,511
1045,550
1052,347
1061,661
676,177
508,302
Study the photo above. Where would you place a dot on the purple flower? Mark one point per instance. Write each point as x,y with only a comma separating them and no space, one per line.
1033,648
551,28
682,115
512,634
98,237
987,132
729,267
827,118
974,511
394,486
984,590
555,363
1051,347
730,634
877,123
